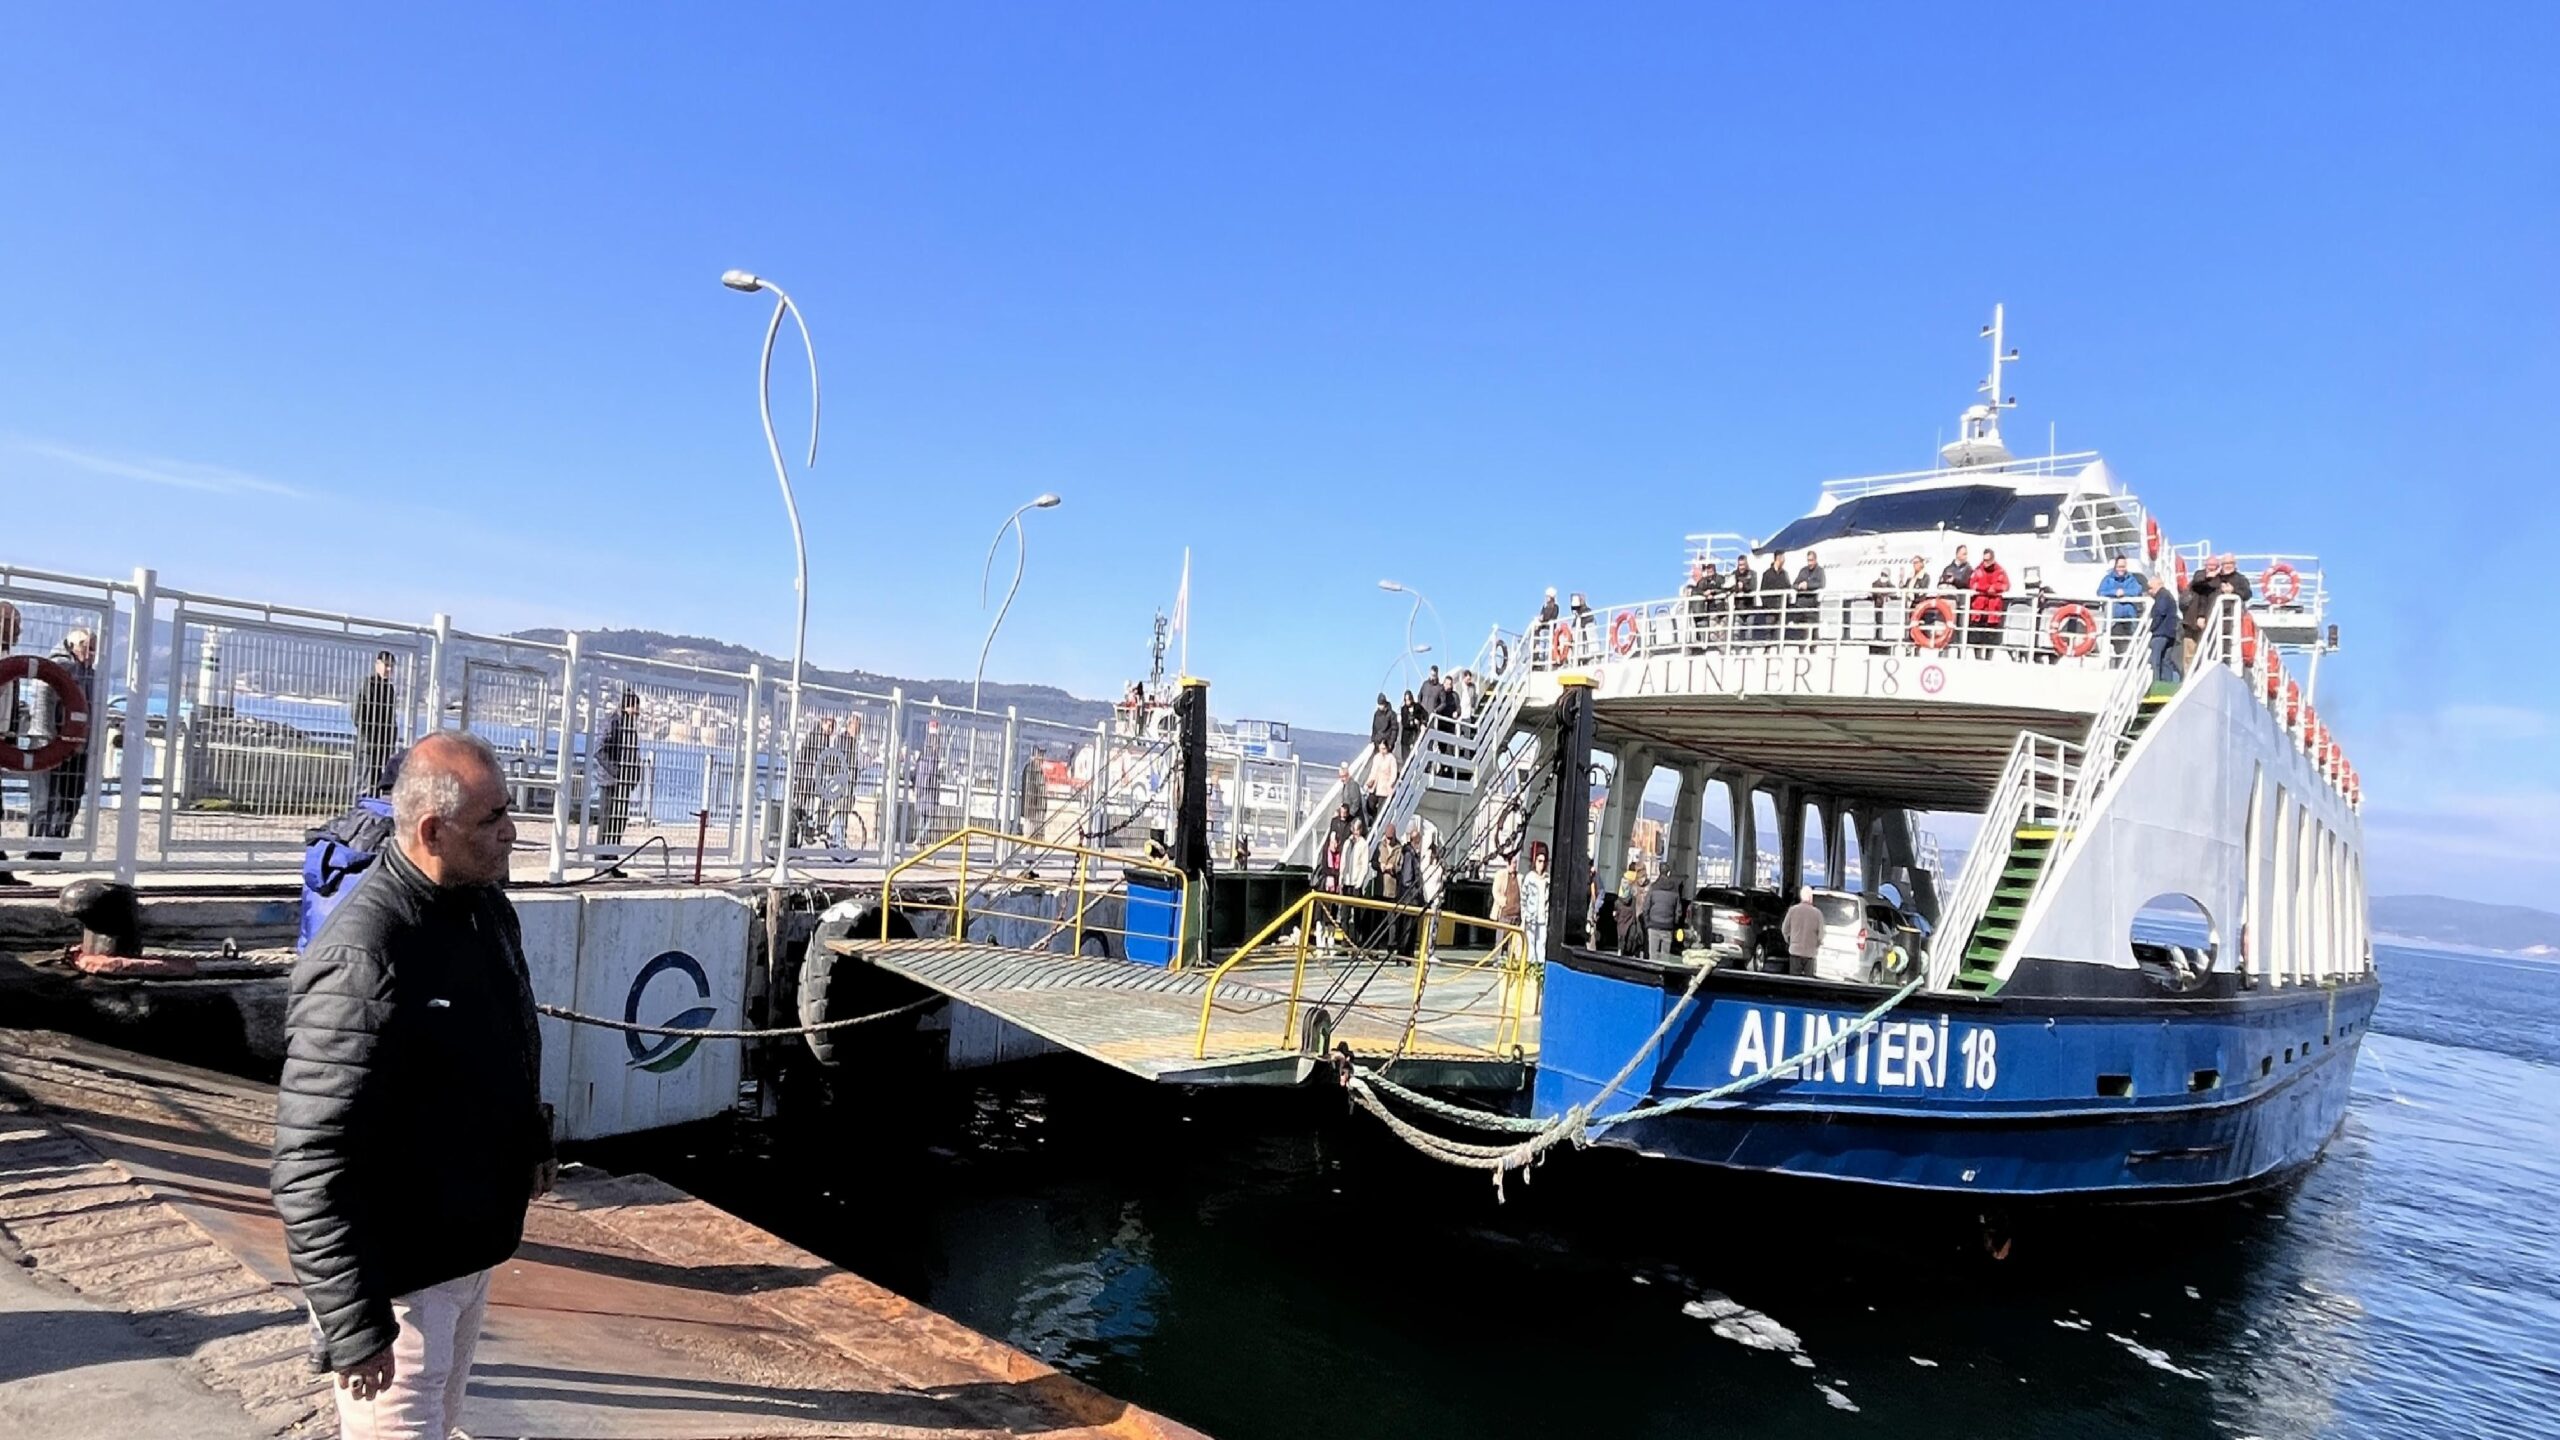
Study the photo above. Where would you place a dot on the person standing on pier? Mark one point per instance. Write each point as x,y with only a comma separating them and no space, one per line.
618,765
410,1133
54,796
376,713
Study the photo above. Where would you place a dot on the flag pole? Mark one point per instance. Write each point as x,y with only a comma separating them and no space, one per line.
1182,609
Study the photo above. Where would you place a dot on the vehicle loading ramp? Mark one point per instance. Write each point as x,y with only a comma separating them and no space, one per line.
1146,1021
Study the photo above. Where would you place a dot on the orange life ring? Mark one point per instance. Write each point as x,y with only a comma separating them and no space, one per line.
1936,636
2248,640
2150,538
2072,644
69,736
2292,702
2182,572
2281,583
1560,646
1622,632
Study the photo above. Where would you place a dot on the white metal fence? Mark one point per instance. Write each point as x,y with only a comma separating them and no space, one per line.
214,734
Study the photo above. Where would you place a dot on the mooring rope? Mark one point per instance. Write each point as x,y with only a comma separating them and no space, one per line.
1578,1124
780,1032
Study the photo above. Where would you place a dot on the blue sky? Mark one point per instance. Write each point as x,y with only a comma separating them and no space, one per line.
417,312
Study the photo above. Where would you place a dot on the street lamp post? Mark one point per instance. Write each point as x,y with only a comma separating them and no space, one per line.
1021,551
744,283
1419,601
1404,662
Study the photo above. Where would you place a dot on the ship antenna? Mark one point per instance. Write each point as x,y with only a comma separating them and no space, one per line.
1977,441
1997,333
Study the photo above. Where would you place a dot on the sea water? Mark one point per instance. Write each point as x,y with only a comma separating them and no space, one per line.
1265,1265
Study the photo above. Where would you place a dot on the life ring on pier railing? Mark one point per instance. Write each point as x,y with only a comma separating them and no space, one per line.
1623,632
2248,641
1560,643
1933,623
2072,644
69,736
2282,584
2150,538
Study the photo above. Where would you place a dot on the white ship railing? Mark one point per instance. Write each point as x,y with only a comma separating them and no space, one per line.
1858,621
2030,466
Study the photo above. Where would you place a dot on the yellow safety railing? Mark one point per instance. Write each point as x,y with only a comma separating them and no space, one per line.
1521,974
1086,891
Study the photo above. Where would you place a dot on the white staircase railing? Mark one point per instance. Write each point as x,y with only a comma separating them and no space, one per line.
2037,783
1451,755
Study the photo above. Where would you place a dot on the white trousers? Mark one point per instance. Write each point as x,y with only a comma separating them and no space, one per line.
431,1365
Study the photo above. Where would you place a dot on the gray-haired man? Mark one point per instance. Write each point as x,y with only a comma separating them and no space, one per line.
410,1134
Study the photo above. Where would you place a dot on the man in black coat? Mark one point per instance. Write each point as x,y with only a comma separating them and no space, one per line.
410,1133
1805,614
1382,724
1775,585
376,711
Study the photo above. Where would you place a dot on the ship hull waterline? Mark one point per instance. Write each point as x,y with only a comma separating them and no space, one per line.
2014,1098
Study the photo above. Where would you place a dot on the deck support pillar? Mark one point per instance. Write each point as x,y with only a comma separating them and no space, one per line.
1569,843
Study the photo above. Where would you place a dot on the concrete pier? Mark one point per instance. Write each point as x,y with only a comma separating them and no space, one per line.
134,1190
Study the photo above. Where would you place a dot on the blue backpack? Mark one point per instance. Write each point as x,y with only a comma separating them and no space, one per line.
335,857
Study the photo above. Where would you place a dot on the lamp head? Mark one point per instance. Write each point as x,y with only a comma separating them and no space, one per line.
1047,501
740,280
1390,585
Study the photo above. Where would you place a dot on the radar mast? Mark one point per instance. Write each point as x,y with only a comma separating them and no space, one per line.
1977,439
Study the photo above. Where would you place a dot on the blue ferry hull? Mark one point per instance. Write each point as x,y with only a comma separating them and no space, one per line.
2015,1096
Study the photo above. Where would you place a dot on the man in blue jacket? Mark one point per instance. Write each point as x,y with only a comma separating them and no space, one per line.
2125,588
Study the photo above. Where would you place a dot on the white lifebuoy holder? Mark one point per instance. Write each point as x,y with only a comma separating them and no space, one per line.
1623,633
2282,584
70,736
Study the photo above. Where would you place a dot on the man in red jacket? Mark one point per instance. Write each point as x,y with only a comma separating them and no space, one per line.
1990,583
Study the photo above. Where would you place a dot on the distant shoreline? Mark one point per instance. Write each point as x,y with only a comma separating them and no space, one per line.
2546,954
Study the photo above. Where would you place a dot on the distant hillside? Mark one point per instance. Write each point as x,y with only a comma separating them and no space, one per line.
1039,702
2441,920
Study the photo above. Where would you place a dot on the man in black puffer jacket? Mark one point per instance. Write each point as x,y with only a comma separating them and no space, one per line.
410,1133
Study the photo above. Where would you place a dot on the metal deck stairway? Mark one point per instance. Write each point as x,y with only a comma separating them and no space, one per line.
2048,788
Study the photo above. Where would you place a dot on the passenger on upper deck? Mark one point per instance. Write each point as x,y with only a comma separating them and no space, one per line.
1547,611
2227,576
1382,724
1958,576
1409,722
2125,588
1586,626
1881,625
1805,611
1775,584
1738,601
1990,605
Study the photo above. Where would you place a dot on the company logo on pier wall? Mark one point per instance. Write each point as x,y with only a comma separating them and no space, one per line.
659,1054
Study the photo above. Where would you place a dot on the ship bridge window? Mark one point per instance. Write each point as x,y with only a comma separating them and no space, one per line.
1969,509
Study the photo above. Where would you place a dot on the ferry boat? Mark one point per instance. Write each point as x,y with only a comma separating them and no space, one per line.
2018,1030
